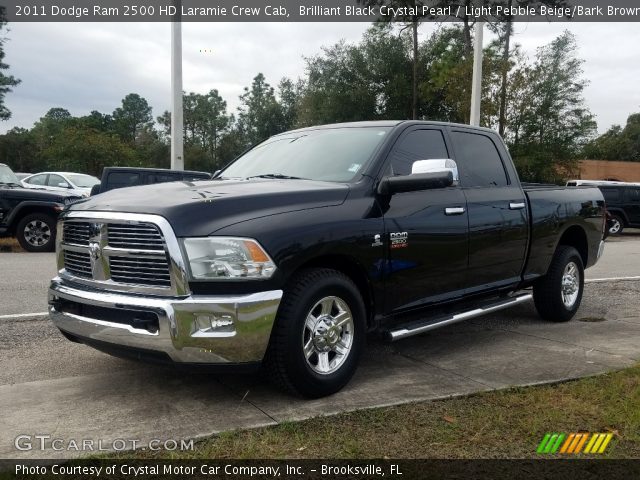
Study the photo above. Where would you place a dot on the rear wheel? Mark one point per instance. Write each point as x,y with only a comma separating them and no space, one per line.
36,232
616,226
558,294
319,334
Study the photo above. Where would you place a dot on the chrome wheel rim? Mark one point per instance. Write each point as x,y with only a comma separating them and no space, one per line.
328,335
615,227
570,284
37,233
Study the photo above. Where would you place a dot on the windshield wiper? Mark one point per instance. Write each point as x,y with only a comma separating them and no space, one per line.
276,175
10,184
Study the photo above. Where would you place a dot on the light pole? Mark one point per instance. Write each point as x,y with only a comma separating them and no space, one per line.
177,121
476,87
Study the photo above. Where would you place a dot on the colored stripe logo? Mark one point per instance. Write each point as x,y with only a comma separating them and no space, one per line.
574,443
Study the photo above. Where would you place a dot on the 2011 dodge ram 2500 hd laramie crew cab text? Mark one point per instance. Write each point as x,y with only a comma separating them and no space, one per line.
313,239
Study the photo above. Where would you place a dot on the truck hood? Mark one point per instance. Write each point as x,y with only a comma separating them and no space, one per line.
32,194
200,208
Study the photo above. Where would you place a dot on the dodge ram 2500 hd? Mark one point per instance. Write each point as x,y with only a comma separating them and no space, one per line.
314,238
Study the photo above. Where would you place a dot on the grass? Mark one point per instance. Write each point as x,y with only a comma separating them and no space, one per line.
499,424
11,244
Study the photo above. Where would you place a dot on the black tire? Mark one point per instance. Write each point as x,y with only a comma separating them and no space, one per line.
617,225
286,362
552,303
36,232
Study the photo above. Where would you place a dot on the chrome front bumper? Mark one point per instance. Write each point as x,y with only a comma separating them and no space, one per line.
195,329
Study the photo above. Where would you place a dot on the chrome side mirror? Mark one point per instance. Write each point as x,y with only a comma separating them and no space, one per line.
436,165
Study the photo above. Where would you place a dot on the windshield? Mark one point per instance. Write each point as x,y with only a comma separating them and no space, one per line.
83,181
7,175
334,155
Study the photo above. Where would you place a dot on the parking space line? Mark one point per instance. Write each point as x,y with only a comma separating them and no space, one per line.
23,315
611,279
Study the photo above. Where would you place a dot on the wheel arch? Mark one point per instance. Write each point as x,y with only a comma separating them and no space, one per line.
350,267
576,237
27,209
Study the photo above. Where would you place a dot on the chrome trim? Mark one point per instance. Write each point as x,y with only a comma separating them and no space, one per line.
516,205
172,254
458,317
242,337
600,250
454,210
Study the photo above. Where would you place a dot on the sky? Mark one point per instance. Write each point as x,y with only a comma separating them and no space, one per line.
93,66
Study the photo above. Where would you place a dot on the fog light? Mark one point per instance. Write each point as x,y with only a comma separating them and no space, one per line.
214,323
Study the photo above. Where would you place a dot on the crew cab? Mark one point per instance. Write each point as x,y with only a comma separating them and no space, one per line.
312,240
29,215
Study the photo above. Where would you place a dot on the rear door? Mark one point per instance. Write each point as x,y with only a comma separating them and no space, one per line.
497,210
632,205
427,247
57,183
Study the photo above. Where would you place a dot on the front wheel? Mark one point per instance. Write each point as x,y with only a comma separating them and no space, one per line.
558,294
319,334
37,232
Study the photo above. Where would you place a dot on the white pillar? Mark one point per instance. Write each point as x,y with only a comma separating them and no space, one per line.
476,87
177,122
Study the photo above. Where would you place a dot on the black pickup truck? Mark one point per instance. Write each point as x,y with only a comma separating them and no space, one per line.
29,215
315,238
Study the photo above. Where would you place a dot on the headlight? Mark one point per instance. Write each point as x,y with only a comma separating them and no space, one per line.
226,258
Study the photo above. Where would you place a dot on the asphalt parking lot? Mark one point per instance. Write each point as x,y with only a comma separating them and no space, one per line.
49,386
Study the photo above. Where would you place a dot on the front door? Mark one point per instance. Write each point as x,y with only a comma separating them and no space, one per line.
425,231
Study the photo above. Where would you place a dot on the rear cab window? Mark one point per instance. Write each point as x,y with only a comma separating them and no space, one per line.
479,161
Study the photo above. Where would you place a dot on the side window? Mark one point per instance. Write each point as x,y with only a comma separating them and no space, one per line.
417,145
478,161
611,195
634,195
55,180
122,179
37,180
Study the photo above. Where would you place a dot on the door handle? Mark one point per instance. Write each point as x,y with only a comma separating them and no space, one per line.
516,205
454,210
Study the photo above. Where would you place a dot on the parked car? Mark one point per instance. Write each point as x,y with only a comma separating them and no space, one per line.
77,183
120,177
29,215
314,238
623,203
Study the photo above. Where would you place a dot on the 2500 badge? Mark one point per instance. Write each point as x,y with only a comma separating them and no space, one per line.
399,239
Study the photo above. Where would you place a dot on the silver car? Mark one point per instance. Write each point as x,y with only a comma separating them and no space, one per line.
78,183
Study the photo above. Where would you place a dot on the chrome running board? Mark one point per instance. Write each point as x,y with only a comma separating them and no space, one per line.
432,324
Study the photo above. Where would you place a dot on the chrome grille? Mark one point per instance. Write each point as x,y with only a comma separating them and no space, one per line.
78,263
76,233
139,236
122,252
140,271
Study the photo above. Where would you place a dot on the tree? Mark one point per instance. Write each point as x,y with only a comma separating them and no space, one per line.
6,81
553,124
364,81
260,115
18,148
132,117
617,143
82,149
